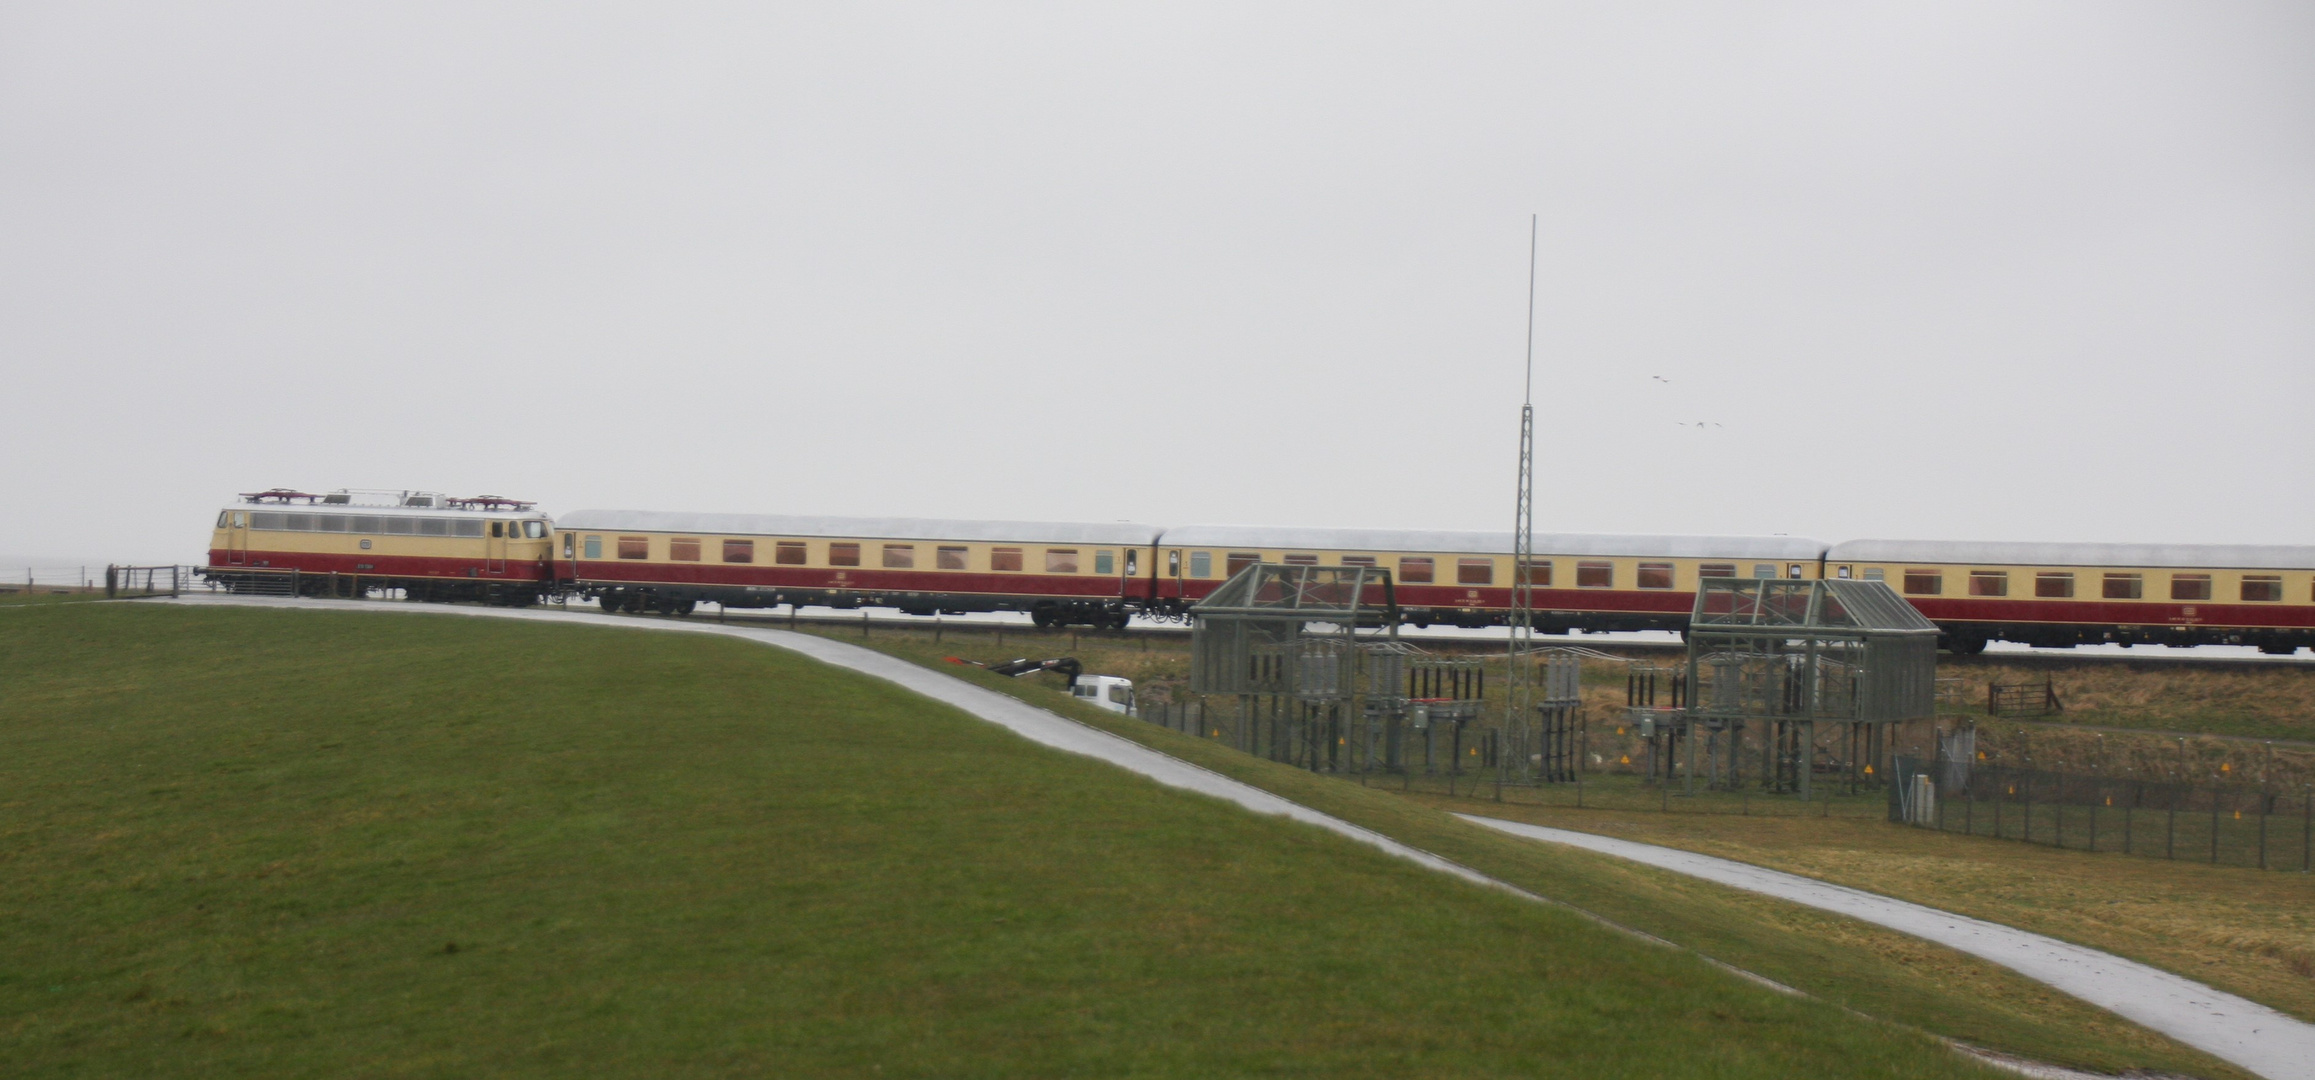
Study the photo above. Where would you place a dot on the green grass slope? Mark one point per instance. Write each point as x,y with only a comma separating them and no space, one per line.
287,843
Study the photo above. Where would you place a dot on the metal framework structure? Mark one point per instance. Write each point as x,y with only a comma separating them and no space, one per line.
1793,654
1518,693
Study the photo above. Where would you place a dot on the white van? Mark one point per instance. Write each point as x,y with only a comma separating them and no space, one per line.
1104,692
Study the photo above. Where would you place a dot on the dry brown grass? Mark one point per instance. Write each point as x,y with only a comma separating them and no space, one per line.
2250,932
2267,701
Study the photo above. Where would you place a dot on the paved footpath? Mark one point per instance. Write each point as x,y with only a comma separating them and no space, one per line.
2250,1035
2245,1032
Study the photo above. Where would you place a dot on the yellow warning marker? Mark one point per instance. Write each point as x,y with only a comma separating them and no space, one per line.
1627,759
1868,770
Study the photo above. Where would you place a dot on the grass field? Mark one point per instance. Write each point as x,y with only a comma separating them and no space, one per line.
298,843
1877,972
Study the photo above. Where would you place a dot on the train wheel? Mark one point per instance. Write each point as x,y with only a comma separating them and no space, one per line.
1965,645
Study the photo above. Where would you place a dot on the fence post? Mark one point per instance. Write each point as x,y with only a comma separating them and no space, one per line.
2263,807
2214,823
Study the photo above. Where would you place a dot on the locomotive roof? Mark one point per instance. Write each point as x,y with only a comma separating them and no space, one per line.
385,511
2002,553
1674,547
878,528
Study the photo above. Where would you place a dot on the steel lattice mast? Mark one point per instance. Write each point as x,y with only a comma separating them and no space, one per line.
1519,691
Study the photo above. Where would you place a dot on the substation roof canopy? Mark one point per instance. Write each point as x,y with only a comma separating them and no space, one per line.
1869,607
1309,593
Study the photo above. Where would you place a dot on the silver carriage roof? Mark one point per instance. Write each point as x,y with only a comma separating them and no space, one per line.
385,501
2001,553
1670,547
866,528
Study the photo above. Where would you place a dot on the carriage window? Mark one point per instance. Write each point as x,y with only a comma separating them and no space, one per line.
739,551
570,549
1474,571
1415,569
1716,569
2262,588
1239,560
1597,575
1875,573
1539,574
1358,560
950,558
1924,582
1842,573
1104,562
1989,583
1132,560
1060,560
789,553
1764,569
683,549
1301,560
1655,575
2124,587
843,554
1793,571
1005,558
900,556
594,547
2057,584
634,547
1201,564
2190,586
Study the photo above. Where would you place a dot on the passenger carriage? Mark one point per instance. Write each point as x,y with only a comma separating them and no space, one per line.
349,542
2061,595
1058,572
1579,581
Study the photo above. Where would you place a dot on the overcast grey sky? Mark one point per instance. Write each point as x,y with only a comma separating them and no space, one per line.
2007,270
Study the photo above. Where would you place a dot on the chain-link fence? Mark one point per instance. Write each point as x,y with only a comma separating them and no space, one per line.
2230,824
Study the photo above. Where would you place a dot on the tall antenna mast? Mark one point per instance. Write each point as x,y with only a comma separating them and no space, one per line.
1519,691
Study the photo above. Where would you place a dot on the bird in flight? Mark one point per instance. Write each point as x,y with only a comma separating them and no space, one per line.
1661,379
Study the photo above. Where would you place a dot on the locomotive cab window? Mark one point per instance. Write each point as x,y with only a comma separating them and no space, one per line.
1415,569
1005,558
2190,586
900,556
843,554
224,519
739,551
2055,584
789,553
683,549
531,530
1201,564
950,558
1989,583
634,547
2124,587
2262,588
1924,582
1475,571
1655,575
1602,575
498,529
1060,560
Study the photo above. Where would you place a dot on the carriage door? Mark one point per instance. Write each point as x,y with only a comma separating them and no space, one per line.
1174,570
237,538
494,554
